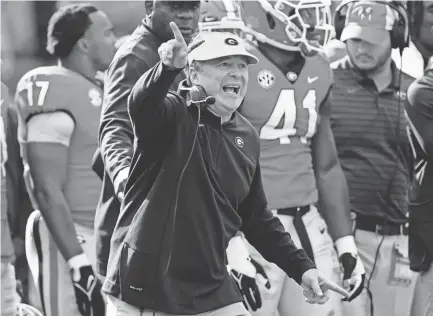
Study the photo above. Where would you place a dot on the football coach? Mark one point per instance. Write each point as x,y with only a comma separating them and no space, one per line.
194,183
419,114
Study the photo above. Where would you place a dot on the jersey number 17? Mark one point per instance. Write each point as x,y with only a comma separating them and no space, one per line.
33,88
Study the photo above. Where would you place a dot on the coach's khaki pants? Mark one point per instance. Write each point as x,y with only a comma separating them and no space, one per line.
116,307
422,304
392,282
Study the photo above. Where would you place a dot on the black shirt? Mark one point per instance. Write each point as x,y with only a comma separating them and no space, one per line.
220,192
419,109
419,113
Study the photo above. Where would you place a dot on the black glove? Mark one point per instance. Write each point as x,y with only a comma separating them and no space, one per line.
262,272
353,274
249,290
88,292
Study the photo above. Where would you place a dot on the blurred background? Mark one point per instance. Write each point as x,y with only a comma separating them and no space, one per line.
24,24
23,31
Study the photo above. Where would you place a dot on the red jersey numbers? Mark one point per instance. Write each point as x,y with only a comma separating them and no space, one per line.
290,123
36,92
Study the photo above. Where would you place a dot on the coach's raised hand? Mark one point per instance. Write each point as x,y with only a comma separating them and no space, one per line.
174,53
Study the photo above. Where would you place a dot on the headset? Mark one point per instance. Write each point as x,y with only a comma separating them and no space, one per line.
198,96
195,96
400,33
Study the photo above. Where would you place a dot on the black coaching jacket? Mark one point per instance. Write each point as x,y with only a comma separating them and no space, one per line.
168,250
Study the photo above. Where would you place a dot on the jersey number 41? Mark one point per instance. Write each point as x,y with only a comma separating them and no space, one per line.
285,109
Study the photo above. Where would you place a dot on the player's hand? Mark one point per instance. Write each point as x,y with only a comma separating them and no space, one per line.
87,288
174,52
316,287
353,274
261,274
352,266
249,290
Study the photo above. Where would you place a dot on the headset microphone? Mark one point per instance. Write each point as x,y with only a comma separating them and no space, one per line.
198,96
203,102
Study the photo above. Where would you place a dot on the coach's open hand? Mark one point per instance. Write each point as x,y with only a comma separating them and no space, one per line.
316,287
174,53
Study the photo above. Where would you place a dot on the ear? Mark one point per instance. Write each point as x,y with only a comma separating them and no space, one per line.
82,44
148,5
193,76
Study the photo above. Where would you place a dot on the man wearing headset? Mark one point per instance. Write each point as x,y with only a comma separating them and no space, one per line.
134,57
419,113
369,128
415,56
195,182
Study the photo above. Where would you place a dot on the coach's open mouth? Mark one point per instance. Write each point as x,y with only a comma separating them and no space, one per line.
232,88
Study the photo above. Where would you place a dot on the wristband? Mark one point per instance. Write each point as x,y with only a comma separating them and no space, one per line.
346,244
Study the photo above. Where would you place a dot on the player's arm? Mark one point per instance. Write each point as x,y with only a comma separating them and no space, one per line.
115,133
331,183
47,146
334,202
266,233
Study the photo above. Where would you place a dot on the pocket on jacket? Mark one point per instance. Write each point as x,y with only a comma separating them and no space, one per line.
138,271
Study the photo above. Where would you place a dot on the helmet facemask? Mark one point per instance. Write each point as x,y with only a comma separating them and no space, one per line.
308,23
292,25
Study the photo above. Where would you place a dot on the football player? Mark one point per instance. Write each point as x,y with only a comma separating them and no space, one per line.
301,172
59,111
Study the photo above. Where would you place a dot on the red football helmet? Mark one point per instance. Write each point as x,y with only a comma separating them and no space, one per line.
290,25
220,15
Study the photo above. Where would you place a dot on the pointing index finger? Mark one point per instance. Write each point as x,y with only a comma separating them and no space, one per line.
176,32
334,287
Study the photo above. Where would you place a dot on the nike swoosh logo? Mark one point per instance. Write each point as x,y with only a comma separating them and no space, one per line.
311,80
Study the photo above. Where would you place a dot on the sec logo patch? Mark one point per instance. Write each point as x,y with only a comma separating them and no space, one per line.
239,142
266,79
95,97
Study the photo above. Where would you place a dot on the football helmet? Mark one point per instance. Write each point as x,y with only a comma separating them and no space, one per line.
291,25
220,15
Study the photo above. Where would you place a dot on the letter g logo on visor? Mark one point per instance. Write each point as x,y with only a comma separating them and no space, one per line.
231,42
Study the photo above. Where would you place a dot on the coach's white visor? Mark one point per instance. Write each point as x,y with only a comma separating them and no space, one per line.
212,45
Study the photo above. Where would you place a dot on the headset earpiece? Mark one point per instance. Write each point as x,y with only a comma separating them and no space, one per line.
399,32
401,29
199,97
197,93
